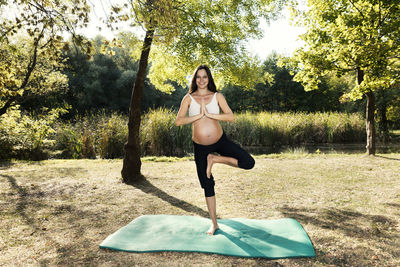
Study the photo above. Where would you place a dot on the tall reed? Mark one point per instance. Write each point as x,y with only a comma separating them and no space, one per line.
159,135
276,129
103,135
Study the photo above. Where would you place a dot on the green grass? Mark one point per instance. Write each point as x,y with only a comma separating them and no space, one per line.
57,212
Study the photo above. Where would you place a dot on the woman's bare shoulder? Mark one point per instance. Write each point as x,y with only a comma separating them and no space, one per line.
220,96
186,98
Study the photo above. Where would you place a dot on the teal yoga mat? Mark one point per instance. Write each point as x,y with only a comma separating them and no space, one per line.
282,238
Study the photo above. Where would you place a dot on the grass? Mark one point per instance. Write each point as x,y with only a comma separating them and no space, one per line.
57,212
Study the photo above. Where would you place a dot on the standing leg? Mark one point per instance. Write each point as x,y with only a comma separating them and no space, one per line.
212,209
200,157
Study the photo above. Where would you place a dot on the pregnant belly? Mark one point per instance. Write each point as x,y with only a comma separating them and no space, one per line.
206,131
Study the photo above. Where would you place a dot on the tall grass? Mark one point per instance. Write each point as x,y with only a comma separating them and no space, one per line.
104,135
160,136
94,134
276,129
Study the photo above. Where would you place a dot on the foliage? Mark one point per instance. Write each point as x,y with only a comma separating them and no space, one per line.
69,140
112,137
358,36
17,86
104,81
346,36
31,43
96,134
192,32
27,135
281,93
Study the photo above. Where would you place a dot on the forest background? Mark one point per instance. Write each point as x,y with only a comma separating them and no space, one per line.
83,111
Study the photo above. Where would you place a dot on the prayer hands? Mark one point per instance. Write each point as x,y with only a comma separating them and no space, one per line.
203,108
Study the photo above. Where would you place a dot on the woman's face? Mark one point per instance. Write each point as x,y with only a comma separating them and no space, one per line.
202,79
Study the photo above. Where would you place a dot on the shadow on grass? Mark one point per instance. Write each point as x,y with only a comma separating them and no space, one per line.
371,229
30,206
383,157
147,187
5,165
352,223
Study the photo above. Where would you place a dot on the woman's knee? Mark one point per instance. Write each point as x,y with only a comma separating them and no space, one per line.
246,163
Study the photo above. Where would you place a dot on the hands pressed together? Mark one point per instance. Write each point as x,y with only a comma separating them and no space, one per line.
203,109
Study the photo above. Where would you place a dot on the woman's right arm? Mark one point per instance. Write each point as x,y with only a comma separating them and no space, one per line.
181,118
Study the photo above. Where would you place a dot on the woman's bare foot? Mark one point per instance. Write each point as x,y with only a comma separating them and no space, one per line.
212,229
209,164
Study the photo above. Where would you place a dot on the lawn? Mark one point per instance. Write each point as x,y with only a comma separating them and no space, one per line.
57,212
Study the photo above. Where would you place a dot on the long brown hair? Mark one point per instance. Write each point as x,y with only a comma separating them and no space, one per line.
211,85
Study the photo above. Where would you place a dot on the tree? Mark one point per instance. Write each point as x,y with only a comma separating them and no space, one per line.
280,93
183,34
31,44
358,36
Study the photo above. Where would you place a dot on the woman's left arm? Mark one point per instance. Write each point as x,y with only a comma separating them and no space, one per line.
228,114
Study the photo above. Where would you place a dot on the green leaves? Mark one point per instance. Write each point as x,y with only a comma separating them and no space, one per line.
345,35
31,44
193,32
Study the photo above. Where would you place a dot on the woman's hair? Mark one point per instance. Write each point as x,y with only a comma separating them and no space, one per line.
211,85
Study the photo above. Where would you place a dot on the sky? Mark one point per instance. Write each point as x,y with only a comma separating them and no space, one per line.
278,36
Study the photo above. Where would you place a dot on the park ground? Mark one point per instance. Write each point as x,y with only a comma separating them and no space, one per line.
57,212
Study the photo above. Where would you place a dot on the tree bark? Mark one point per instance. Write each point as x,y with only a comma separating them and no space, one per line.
370,114
370,125
132,164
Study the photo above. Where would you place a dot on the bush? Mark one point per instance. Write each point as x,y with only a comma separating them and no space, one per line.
26,136
69,140
112,134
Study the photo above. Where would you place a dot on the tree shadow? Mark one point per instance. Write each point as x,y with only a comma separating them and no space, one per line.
30,203
147,187
371,229
383,157
394,205
345,221
6,164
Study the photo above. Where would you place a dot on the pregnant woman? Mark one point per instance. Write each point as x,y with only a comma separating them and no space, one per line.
203,103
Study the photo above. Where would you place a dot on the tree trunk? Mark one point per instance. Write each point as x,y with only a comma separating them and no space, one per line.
132,164
370,125
370,114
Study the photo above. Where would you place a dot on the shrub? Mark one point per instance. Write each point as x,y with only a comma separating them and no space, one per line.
69,140
27,136
112,135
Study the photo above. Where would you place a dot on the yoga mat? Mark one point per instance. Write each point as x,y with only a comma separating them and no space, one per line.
281,238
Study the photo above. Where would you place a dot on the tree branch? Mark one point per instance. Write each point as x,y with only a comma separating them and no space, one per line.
352,3
32,63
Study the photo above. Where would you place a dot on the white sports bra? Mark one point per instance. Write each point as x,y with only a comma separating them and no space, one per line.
212,107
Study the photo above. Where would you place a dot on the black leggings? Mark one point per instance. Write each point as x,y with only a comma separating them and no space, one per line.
224,147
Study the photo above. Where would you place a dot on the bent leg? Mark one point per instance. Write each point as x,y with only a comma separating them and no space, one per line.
211,159
230,154
233,150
